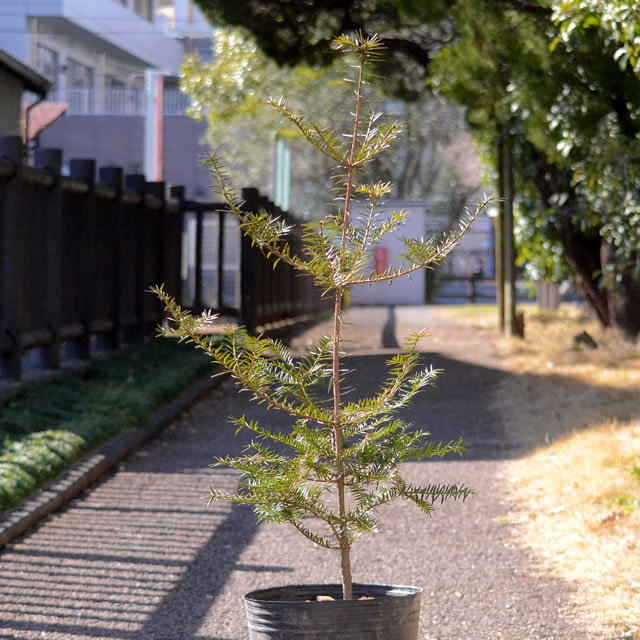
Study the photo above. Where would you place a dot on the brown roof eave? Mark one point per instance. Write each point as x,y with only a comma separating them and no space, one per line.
31,79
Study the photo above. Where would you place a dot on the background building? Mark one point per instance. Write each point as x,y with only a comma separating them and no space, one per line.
425,218
97,55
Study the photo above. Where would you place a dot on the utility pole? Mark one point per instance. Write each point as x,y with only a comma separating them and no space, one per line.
153,125
498,224
509,266
281,174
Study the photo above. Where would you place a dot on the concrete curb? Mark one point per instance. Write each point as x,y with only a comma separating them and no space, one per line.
70,483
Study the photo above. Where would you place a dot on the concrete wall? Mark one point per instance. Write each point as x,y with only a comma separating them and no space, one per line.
118,140
475,249
404,290
183,153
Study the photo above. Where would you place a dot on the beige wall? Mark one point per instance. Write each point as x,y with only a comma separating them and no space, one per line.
10,97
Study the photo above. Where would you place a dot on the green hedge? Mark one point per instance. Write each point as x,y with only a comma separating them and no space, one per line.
45,429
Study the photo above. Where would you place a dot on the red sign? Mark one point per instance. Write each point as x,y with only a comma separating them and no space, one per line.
380,259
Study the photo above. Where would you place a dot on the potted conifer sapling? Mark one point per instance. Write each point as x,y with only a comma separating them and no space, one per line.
341,461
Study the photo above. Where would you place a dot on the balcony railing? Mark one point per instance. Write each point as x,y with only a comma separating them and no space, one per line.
175,102
118,102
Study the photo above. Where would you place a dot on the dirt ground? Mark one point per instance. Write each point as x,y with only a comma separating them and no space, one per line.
141,555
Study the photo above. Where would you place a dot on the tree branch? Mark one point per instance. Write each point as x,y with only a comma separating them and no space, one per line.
627,125
528,9
410,49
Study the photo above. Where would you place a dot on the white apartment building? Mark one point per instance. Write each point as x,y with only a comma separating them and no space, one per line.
97,55
96,52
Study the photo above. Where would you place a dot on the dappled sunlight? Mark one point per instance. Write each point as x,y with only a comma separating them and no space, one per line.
579,509
143,555
577,500
103,568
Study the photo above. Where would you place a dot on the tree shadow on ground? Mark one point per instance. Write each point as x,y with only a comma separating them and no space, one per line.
165,567
499,414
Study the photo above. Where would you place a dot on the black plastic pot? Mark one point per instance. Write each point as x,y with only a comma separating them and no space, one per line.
291,612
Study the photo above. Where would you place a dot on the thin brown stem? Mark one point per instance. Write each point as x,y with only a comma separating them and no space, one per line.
345,547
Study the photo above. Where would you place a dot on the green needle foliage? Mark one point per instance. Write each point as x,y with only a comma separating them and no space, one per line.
340,462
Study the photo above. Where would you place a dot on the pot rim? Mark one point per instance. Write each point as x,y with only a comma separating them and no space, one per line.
389,591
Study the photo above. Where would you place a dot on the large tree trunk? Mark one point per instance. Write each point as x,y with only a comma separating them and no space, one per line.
583,253
624,297
581,249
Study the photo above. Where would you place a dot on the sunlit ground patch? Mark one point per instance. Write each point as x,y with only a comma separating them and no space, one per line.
579,510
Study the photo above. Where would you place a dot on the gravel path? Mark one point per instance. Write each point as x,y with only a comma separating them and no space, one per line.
142,557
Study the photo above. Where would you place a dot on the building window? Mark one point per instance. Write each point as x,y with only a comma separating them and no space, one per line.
47,63
199,46
79,85
113,83
167,10
144,8
79,76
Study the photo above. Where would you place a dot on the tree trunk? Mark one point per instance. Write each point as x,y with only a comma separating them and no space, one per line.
624,297
581,249
582,252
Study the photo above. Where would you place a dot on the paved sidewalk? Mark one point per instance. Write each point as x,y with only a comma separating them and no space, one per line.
141,557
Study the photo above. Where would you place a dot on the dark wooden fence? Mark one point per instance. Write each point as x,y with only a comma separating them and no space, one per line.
78,255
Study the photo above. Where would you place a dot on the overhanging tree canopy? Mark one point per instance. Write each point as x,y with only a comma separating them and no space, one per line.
434,154
562,73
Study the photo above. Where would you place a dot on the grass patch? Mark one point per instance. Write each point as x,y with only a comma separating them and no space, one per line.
45,429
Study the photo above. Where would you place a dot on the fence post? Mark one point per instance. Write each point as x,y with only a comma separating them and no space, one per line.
264,278
248,264
10,219
157,234
221,218
113,177
137,183
292,311
198,304
83,170
173,244
51,160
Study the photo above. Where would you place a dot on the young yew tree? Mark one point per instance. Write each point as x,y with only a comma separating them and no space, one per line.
340,462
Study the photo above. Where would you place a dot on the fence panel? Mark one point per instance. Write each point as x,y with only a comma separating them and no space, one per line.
211,271
275,295
105,258
153,233
27,246
78,256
